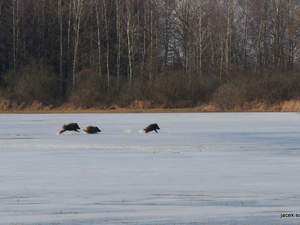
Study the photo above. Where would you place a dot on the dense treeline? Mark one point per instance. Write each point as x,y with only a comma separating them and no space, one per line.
164,52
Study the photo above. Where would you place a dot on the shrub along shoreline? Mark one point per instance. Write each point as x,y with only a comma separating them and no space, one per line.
35,88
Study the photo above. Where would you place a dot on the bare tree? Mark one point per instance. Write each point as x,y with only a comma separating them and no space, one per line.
106,21
130,37
60,19
14,40
98,38
78,5
119,36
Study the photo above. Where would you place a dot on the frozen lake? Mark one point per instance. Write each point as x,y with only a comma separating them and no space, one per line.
201,169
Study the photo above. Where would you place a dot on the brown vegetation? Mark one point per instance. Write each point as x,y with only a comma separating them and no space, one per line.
286,106
171,92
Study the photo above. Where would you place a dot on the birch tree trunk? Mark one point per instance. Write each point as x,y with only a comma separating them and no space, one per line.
200,38
144,37
129,42
60,19
98,38
246,34
227,54
118,24
107,43
151,44
14,15
78,11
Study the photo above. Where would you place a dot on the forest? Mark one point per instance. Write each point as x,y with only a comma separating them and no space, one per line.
148,53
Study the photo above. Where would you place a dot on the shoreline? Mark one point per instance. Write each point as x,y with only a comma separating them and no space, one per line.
287,106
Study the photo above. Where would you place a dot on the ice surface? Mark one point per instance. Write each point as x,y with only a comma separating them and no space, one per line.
201,169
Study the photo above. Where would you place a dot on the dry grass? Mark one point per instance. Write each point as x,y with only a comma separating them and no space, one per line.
145,107
290,106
